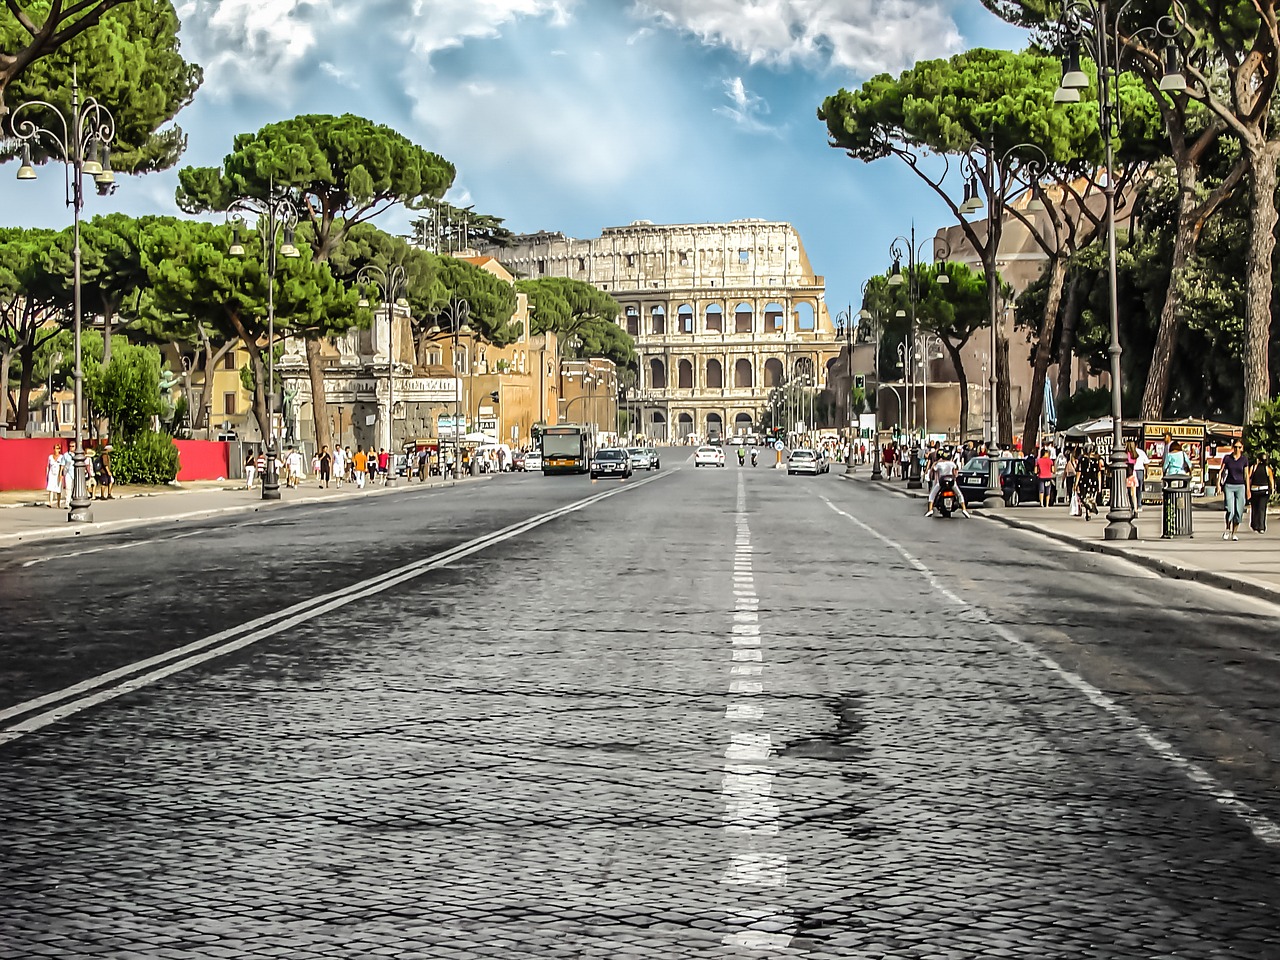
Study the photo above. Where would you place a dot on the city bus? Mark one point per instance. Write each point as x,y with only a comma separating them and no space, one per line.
566,448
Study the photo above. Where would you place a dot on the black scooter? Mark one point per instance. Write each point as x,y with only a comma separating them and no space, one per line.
753,458
947,501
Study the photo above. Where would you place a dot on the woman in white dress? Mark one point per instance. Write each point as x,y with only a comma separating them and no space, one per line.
53,476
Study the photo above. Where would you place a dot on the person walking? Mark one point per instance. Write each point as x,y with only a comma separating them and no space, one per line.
1262,483
90,475
1044,476
108,478
68,471
1233,485
360,464
53,476
294,461
324,463
339,465
1089,475
384,465
1070,468
250,470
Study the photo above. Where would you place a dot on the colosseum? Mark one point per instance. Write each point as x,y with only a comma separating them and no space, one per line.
721,313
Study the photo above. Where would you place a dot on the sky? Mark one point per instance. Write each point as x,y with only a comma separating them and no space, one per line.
576,115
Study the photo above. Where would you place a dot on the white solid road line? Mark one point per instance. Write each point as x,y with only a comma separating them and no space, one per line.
245,634
1261,826
118,546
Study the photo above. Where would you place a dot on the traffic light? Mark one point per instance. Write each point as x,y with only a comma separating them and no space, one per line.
860,381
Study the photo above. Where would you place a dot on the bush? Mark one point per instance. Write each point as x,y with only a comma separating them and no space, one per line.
149,458
1262,433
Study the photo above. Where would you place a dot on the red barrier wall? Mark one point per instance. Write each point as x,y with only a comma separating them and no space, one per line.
23,460
203,459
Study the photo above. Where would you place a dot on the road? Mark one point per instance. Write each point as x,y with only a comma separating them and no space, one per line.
701,713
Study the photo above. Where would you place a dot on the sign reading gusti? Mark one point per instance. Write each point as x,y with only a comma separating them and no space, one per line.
407,389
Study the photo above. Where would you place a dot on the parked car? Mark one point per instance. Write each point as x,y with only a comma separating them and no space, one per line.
610,462
1018,482
972,479
804,461
708,456
533,461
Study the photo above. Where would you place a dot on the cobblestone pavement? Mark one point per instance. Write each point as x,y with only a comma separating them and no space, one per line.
724,714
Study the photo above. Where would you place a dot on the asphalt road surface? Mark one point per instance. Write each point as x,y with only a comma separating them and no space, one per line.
699,713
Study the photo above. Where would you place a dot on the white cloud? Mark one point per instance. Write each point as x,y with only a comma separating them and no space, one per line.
861,36
745,108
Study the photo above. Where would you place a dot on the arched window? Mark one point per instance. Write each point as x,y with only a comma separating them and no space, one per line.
742,423
684,318
633,321
657,321
804,316
715,375
715,424
684,375
775,318
684,424
657,374
743,375
742,318
715,319
773,372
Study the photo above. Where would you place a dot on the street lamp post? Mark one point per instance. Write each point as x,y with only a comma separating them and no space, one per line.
846,330
925,346
392,284
867,316
1095,26
82,141
455,314
279,214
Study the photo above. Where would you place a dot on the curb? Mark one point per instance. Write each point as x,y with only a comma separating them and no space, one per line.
1173,571
70,531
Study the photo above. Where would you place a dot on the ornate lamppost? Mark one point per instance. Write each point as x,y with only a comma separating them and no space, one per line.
866,316
82,141
846,331
277,214
392,284
455,316
1096,26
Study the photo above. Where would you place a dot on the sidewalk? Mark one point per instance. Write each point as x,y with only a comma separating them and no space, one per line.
1250,566
24,518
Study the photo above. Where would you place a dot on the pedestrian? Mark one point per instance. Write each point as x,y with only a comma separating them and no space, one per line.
53,476
1087,484
68,471
1262,482
324,466
108,478
260,462
1070,468
384,465
339,465
1130,478
1140,461
1233,484
90,478
315,464
1044,476
1176,462
346,455
250,470
359,466
294,463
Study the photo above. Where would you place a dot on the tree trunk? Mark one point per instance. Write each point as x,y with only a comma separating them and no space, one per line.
1044,351
319,407
1004,393
1067,341
956,361
26,353
1262,242
104,422
1156,394
260,412
211,360
6,358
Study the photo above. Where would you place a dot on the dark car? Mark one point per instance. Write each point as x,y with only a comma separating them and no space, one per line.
972,479
1017,481
610,462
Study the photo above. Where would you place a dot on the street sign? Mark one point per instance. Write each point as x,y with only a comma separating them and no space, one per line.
779,445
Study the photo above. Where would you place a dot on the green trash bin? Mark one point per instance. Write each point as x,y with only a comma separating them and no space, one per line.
1176,515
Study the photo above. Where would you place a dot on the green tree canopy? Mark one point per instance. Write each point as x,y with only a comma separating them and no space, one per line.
32,304
569,308
132,64
492,299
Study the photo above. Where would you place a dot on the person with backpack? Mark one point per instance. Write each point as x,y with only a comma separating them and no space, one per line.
1262,483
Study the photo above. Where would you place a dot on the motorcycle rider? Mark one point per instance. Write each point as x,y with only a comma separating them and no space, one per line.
944,466
753,456
742,455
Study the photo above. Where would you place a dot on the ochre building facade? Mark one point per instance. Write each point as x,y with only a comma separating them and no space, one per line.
722,313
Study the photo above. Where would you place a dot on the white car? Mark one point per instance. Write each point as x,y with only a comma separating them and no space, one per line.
804,461
708,457
533,460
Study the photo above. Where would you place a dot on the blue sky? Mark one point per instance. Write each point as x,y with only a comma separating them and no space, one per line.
576,115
